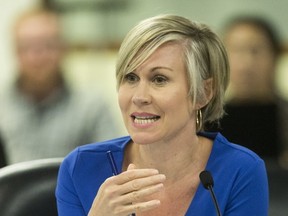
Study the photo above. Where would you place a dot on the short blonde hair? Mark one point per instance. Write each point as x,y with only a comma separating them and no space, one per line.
205,56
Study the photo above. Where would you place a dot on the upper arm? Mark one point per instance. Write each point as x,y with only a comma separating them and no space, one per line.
68,202
249,195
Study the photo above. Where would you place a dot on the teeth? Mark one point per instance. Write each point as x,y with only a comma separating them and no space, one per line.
145,120
144,117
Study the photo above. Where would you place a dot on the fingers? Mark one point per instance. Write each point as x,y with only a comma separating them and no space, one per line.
142,183
135,179
133,173
131,166
129,192
139,195
139,189
135,192
137,207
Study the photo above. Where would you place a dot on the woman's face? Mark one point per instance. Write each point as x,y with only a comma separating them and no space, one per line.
154,98
252,62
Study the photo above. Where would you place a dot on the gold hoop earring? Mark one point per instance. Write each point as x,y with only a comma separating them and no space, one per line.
199,120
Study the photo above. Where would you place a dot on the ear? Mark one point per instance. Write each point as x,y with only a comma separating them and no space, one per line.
208,88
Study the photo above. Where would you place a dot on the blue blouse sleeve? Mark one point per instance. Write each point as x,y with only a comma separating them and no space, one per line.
68,202
249,195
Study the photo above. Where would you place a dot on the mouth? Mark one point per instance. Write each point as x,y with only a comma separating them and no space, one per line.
144,119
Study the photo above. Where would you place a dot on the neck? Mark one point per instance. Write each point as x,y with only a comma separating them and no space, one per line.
170,158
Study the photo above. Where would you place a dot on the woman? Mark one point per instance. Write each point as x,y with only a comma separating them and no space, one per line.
171,76
253,49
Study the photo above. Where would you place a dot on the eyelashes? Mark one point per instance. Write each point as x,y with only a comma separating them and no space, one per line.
156,79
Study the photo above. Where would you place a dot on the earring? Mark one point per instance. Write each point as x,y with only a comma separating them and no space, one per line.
199,120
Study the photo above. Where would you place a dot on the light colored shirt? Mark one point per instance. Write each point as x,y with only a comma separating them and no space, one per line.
55,126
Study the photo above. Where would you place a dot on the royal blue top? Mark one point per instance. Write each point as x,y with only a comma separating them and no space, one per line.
240,179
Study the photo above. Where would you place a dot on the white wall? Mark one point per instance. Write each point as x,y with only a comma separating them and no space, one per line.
97,69
212,12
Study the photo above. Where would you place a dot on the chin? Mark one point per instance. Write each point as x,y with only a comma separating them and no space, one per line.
143,139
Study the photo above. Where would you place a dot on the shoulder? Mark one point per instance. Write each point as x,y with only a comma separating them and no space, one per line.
92,104
87,97
84,170
85,154
233,160
229,150
244,175
10,92
236,165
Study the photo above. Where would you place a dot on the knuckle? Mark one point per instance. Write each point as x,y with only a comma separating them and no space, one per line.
135,196
111,192
128,176
108,191
135,185
118,210
114,206
131,175
109,181
138,207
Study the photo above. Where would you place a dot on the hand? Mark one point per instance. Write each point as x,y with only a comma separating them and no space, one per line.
125,193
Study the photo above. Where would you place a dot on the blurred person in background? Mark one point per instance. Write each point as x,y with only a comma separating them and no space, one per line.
41,115
253,110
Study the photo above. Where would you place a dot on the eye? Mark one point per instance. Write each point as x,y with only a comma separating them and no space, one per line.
130,78
160,80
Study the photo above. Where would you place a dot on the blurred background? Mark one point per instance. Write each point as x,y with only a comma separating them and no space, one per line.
94,30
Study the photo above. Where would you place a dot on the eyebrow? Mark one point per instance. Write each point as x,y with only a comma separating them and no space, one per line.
161,67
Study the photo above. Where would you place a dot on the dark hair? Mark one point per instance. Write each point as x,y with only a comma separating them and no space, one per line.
262,24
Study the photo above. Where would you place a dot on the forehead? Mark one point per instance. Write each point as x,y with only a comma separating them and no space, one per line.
168,55
245,33
37,26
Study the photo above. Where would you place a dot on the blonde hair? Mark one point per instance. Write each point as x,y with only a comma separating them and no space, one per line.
205,56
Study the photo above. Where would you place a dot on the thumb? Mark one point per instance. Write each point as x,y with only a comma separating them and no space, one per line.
131,166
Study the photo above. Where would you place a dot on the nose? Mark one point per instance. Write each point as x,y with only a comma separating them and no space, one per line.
141,95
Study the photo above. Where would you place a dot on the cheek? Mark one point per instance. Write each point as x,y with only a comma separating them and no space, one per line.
25,60
123,98
180,102
266,65
55,57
